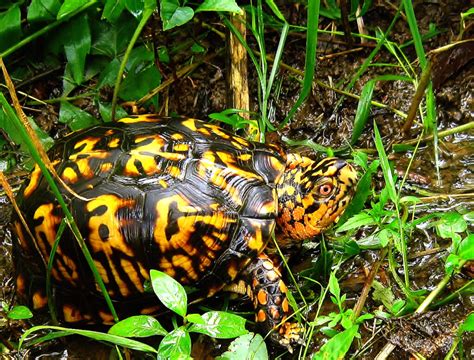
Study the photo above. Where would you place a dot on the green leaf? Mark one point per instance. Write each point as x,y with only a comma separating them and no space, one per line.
346,320
76,118
385,236
112,10
140,83
220,325
13,133
246,347
321,320
363,110
77,46
334,286
468,324
175,344
410,200
10,27
362,193
363,318
469,217
170,292
105,110
140,58
337,347
111,39
135,7
197,49
219,5
387,171
468,13
466,248
450,224
96,335
174,15
383,294
195,319
68,7
453,262
138,326
109,74
20,312
356,222
351,248
398,306
276,11
43,10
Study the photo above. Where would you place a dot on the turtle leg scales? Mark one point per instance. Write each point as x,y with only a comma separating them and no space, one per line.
269,295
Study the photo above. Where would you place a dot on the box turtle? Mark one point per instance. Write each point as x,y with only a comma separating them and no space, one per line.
179,195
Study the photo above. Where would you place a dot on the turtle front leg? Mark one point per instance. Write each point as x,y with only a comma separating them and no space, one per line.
269,295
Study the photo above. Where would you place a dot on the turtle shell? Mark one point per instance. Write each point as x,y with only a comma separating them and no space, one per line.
174,194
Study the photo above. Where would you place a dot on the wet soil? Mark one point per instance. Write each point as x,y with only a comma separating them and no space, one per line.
326,120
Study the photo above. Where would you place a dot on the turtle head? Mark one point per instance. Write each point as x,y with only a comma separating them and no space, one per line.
312,196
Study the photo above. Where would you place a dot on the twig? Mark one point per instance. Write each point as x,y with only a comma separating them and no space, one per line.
420,91
367,285
441,134
237,78
179,74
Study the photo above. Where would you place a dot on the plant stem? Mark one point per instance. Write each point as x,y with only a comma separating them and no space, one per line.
420,91
367,285
429,299
146,15
441,134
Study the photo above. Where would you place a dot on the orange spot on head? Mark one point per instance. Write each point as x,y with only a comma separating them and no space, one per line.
285,215
298,213
299,228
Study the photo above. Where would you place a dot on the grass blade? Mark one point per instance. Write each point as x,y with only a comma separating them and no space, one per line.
96,335
310,60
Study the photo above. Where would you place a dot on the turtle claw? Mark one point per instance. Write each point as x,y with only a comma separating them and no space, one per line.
291,334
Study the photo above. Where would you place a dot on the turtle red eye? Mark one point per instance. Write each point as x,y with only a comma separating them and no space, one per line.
325,189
